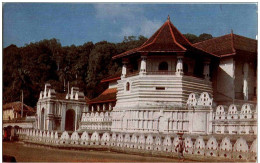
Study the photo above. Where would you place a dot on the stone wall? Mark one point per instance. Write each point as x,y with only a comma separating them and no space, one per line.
96,121
195,146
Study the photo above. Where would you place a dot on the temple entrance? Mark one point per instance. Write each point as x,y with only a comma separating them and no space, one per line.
70,120
42,119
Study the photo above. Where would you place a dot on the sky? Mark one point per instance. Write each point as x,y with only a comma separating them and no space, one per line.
78,23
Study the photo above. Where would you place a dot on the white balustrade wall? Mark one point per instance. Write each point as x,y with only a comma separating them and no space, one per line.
96,121
168,144
235,120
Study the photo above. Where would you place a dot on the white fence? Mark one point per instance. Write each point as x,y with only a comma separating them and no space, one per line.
199,146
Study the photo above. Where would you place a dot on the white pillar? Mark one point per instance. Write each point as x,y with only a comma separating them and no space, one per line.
179,66
98,107
104,107
63,117
39,121
92,108
123,70
143,65
245,81
110,106
206,70
44,121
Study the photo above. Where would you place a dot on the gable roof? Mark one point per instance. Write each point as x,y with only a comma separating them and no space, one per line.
166,39
227,45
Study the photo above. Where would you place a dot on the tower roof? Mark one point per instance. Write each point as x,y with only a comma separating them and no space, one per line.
166,39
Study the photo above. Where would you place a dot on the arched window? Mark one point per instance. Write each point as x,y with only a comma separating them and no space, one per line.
127,86
163,66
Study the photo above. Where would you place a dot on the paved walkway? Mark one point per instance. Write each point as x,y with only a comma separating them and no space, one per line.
40,154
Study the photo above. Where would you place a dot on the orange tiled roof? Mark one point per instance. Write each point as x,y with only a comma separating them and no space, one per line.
111,78
107,96
228,45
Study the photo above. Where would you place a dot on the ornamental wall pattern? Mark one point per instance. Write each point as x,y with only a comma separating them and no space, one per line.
201,146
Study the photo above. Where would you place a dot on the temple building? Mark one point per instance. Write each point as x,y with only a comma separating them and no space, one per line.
168,84
60,111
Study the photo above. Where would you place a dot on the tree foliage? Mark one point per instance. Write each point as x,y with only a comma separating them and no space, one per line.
194,38
29,67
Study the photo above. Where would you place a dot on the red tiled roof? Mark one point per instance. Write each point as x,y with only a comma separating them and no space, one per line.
111,78
17,106
107,96
245,44
166,39
227,45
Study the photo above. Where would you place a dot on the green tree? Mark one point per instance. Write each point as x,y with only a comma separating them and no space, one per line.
204,36
191,37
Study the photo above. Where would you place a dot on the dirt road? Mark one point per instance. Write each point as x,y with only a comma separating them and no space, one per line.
40,154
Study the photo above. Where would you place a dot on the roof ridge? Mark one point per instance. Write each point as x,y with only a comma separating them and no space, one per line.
211,39
174,39
205,51
232,42
181,34
244,37
159,31
153,35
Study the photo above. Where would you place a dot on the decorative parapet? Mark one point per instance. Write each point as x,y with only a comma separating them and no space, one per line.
230,120
48,92
96,121
205,99
203,147
194,100
75,94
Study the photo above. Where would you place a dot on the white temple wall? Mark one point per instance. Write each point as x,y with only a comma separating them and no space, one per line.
239,77
225,81
199,122
160,121
158,91
112,84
